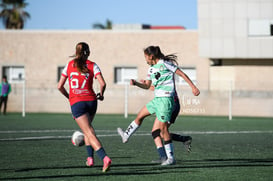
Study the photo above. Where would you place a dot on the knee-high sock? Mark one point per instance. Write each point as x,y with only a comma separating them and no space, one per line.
90,151
169,149
131,129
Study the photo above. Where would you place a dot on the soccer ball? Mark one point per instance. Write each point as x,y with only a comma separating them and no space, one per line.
77,138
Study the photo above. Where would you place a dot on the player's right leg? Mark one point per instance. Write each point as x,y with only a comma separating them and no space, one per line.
134,125
89,149
159,145
168,145
90,153
163,116
186,140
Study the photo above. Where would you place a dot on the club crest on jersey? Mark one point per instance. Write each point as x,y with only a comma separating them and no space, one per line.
86,75
161,68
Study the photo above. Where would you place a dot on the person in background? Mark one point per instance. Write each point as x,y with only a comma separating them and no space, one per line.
5,89
80,73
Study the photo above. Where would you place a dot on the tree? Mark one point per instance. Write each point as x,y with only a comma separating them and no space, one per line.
13,15
108,25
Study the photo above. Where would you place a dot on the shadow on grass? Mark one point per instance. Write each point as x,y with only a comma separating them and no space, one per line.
139,169
83,167
122,170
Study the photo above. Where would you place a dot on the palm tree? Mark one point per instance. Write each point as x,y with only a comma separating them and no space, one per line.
108,25
13,15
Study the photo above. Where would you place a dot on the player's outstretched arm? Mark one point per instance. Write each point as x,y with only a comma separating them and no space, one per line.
195,90
143,84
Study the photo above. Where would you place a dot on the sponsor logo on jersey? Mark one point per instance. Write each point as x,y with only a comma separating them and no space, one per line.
80,91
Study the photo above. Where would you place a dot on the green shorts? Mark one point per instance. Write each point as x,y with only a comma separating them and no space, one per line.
162,107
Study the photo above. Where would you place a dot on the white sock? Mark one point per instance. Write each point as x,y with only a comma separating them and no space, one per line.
169,150
131,129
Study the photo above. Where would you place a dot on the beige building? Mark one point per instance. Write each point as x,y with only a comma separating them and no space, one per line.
228,57
237,37
39,56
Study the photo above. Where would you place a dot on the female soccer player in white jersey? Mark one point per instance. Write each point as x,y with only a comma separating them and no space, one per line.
80,73
161,76
185,139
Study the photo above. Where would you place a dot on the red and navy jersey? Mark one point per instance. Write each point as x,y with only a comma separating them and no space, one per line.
81,84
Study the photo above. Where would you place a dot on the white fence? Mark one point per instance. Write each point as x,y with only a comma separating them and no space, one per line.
125,99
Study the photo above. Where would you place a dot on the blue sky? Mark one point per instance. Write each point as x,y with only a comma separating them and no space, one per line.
82,14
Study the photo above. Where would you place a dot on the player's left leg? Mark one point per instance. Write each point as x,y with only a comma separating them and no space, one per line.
134,125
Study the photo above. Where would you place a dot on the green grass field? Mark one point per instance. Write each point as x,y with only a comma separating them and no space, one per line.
38,147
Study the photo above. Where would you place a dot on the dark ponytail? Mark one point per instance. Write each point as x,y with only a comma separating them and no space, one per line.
82,53
157,54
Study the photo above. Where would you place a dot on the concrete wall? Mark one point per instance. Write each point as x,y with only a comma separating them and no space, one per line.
41,52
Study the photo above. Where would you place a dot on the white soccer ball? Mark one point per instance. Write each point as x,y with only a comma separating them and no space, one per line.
77,138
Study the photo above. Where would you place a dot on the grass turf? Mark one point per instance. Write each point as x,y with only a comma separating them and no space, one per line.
240,149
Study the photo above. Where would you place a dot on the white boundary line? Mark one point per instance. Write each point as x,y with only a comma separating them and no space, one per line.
114,131
46,131
144,133
227,132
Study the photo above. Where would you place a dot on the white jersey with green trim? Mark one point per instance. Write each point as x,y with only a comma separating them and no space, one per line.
162,77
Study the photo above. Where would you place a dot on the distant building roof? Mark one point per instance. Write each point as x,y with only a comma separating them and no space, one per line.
167,27
145,26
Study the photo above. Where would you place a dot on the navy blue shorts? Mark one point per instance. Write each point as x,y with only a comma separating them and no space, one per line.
80,108
175,112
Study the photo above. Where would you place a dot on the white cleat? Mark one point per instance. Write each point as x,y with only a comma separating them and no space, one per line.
169,161
121,133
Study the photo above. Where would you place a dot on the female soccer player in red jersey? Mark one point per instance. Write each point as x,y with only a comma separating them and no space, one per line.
80,73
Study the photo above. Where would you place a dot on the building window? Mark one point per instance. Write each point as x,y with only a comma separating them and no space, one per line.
14,73
124,74
59,72
260,27
191,73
